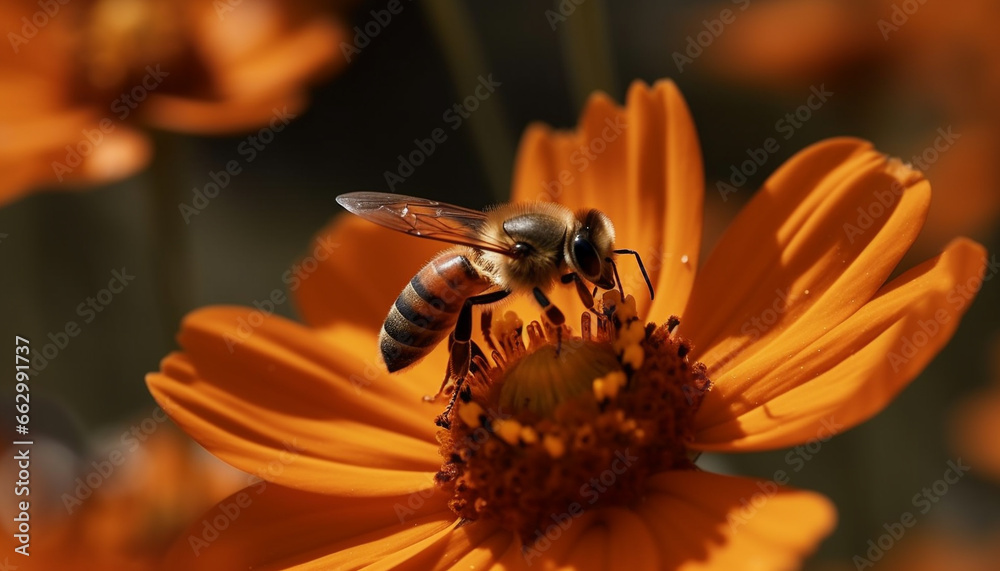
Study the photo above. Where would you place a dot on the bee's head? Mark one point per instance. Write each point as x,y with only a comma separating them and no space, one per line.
590,248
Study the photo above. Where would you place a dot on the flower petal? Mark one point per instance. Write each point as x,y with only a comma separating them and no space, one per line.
707,521
476,543
801,258
266,526
615,538
272,398
287,63
33,151
851,372
223,116
267,47
641,165
619,537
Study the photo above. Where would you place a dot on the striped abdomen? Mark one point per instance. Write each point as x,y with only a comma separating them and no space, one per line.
427,309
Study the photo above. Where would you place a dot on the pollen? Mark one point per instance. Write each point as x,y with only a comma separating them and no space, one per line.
539,419
508,430
554,446
606,387
471,414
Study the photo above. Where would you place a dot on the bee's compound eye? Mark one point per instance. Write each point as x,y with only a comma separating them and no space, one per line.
586,257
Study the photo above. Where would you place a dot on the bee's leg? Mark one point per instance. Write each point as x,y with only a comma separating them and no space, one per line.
447,373
553,314
444,383
461,349
581,289
444,419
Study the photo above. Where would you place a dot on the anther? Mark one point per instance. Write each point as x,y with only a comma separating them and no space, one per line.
625,385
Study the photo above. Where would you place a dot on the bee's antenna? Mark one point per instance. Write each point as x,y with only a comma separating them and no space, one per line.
642,269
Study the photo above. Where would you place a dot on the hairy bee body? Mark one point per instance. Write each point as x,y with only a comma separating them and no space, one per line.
426,310
541,228
511,249
428,307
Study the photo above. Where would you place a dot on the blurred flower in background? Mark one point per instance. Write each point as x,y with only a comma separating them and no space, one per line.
82,78
923,75
930,548
120,508
976,425
940,549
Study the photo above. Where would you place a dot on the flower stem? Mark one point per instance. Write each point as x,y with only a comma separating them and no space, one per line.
169,241
467,63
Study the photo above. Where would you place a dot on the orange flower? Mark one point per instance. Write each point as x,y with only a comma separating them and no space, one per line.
935,549
931,548
124,510
73,82
976,425
789,318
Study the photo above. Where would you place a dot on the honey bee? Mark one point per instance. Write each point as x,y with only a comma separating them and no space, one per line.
512,248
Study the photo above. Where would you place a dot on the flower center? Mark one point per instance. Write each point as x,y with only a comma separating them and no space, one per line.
565,423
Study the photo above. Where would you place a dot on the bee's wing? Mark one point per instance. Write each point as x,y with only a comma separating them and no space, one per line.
423,218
